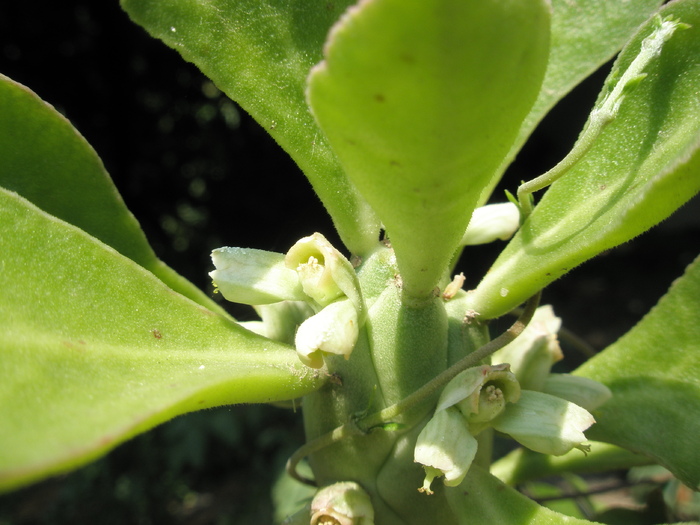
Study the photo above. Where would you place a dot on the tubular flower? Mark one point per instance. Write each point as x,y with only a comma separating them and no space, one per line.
249,276
492,222
480,394
325,274
334,330
343,503
445,447
490,396
533,352
310,296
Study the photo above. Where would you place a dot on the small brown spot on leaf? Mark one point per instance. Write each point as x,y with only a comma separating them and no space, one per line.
379,97
156,333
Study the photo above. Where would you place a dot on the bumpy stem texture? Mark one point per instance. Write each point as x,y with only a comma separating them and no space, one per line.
384,417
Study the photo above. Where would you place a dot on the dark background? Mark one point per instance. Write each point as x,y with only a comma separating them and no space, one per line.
198,173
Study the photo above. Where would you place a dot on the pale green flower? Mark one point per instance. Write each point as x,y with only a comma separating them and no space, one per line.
333,330
445,447
490,396
344,503
492,222
325,274
534,351
545,423
310,296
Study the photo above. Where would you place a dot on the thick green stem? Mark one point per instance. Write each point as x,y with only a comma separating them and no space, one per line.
383,417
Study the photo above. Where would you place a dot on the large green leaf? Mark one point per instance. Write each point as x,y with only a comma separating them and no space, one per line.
654,374
482,499
585,34
95,349
421,100
46,160
643,166
259,53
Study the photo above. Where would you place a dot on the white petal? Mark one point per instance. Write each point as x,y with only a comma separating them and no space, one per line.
446,445
249,276
532,354
333,330
545,423
344,503
491,222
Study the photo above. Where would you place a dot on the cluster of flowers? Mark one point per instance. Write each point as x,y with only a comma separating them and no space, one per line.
313,287
544,412
310,296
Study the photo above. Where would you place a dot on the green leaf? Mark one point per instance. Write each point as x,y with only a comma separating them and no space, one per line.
644,165
95,349
421,100
46,160
259,52
654,374
481,498
585,34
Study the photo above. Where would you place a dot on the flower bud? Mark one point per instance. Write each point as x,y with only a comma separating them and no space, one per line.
545,423
343,503
445,447
584,392
249,276
492,222
532,354
325,274
454,287
333,330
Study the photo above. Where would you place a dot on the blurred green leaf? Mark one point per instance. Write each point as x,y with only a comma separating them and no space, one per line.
481,498
654,374
46,160
643,166
94,349
522,464
259,52
421,100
